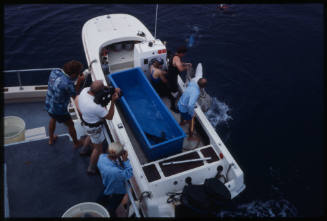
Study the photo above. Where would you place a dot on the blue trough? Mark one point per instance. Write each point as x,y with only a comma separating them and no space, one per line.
154,126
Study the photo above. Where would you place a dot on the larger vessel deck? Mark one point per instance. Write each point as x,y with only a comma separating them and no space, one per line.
44,180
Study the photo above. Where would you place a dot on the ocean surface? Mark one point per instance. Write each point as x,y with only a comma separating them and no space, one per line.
264,63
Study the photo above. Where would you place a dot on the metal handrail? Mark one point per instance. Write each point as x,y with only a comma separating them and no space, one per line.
131,199
27,70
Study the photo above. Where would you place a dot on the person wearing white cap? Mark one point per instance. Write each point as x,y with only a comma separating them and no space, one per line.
114,172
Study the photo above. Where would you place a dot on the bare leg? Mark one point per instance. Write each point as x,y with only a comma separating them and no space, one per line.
191,130
72,132
86,146
191,126
52,128
87,141
182,122
97,150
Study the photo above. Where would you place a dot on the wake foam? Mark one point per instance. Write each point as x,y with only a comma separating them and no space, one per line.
270,208
218,112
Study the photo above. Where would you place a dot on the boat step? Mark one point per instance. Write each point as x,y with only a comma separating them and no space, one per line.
35,133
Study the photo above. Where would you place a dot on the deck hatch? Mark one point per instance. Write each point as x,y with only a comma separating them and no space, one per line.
209,152
170,170
151,173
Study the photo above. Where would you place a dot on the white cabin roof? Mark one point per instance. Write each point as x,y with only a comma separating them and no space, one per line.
108,29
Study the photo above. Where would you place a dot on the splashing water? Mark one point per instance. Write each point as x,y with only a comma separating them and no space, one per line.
190,41
218,112
270,208
194,34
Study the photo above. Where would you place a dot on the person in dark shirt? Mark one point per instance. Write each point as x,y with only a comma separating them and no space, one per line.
60,89
175,67
158,77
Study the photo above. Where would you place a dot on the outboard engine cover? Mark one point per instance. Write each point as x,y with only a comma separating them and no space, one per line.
208,198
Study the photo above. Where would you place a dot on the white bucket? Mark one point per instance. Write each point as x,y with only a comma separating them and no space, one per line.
87,209
14,129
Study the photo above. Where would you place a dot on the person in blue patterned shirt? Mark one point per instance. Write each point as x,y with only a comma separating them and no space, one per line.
60,89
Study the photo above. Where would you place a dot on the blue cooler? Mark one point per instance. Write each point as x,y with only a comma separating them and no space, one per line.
153,125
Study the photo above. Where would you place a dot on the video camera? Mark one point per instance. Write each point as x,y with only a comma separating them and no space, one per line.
103,97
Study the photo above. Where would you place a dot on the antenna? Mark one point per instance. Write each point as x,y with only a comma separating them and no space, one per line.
155,26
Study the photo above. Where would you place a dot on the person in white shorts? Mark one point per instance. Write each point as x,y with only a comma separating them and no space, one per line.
93,116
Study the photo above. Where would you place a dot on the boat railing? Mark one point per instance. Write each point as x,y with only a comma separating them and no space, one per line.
19,78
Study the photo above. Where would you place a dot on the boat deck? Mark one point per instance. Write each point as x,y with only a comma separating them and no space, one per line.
33,114
45,181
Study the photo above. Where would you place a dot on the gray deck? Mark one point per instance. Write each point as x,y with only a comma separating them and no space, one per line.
34,115
45,181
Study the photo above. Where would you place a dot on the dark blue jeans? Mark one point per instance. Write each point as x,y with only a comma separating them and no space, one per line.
110,202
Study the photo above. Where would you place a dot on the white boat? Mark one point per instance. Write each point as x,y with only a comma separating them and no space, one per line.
108,31
127,43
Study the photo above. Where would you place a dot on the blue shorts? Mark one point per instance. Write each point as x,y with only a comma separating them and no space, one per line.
60,118
185,116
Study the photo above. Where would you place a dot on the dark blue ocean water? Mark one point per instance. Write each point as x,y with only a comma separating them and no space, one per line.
265,69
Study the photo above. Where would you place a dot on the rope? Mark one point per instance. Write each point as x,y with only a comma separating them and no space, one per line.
173,197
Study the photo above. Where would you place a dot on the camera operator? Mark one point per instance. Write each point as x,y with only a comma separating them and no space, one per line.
91,105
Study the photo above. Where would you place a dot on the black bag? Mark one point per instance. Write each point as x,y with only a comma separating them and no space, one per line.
195,196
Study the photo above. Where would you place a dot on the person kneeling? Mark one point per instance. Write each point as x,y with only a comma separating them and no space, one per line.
114,172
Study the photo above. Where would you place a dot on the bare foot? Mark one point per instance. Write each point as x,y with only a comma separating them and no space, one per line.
91,170
51,142
193,138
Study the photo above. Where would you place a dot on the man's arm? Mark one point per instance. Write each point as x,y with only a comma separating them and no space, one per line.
127,172
111,111
180,65
79,82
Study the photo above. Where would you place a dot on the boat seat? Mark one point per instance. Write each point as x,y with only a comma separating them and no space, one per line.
120,66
